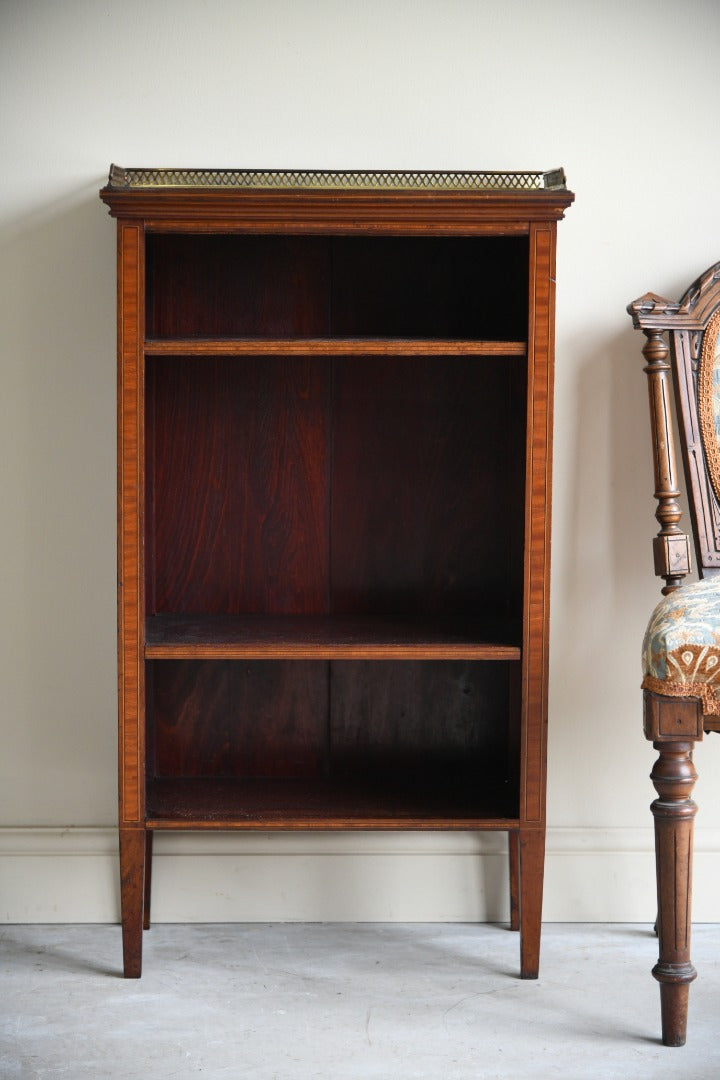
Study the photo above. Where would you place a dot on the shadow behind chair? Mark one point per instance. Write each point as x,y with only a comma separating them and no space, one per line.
681,651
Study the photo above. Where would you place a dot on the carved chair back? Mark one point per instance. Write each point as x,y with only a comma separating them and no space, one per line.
690,359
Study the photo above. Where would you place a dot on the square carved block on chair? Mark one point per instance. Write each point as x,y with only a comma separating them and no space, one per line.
681,651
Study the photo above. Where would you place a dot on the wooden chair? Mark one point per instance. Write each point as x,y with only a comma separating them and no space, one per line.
681,651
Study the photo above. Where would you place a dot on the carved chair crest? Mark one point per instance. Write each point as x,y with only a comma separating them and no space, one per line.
693,357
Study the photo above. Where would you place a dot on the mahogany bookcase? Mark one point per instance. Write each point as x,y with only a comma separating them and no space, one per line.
335,416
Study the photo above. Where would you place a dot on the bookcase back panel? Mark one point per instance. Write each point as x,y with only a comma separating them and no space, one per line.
430,287
210,286
237,494
353,485
317,719
427,495
421,715
224,718
237,286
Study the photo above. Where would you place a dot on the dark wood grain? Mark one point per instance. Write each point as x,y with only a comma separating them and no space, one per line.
412,718
434,801
239,481
422,513
274,287
434,287
353,486
313,719
220,718
225,286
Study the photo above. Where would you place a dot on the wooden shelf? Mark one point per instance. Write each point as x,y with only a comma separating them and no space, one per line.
454,800
227,637
330,347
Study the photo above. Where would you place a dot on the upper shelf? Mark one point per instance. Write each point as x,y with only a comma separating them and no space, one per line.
330,347
228,637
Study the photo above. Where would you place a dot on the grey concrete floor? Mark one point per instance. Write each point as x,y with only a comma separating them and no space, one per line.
365,1001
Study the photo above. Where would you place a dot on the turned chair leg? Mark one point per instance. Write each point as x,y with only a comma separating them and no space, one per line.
674,778
673,725
132,894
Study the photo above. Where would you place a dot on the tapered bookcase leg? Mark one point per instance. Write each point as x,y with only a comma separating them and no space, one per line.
674,777
148,878
514,859
532,865
132,894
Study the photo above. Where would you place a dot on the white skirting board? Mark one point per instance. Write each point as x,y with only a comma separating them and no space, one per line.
53,875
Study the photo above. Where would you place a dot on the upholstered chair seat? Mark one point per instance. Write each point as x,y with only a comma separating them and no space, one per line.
681,650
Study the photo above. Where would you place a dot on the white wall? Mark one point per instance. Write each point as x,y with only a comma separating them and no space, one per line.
624,96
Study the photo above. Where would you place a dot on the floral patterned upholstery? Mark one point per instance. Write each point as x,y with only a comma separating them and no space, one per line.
681,650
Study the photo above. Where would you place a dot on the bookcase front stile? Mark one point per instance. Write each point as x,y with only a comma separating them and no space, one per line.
130,496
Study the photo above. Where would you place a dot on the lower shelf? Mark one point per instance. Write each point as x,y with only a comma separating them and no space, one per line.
370,802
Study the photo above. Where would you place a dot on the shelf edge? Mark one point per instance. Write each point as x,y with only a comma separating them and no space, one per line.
230,651
330,347
334,824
